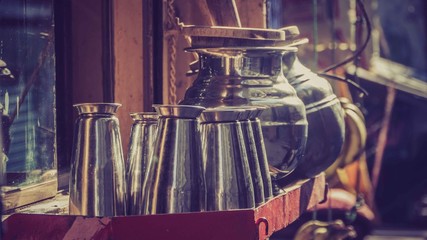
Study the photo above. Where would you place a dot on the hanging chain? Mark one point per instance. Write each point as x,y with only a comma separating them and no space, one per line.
171,27
1,49
315,36
351,215
315,57
334,44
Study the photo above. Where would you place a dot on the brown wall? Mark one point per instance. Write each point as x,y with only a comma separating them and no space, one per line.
128,62
91,56
86,51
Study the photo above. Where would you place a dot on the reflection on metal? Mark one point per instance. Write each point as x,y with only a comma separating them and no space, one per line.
257,156
6,75
174,182
2,156
16,196
355,137
318,230
27,91
242,76
97,181
229,183
251,150
324,114
350,170
261,152
144,130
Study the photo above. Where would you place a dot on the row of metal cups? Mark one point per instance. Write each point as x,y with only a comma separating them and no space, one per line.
181,159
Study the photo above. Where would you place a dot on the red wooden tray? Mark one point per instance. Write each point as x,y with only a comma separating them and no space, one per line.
258,223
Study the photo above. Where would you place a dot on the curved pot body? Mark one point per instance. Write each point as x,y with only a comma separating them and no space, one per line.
254,76
325,118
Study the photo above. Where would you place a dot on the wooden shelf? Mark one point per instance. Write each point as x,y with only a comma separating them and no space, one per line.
258,223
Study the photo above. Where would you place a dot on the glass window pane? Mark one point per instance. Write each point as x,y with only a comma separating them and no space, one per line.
27,91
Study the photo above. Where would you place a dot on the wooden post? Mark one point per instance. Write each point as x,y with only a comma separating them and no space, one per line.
107,56
128,62
86,28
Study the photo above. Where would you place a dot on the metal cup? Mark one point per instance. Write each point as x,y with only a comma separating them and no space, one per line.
97,181
251,150
175,181
228,177
261,152
144,130
254,164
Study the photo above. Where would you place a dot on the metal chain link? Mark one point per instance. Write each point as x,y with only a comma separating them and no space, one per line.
171,41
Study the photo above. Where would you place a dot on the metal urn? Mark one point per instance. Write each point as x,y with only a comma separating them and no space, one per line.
325,118
245,68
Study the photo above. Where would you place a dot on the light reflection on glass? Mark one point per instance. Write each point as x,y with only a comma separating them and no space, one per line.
27,91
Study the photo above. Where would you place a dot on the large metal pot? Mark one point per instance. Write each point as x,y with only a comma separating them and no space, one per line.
248,75
325,118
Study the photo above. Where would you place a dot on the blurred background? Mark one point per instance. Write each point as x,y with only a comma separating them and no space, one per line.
56,53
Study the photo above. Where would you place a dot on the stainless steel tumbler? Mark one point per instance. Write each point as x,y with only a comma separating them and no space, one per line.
97,181
228,176
261,152
251,150
248,136
143,133
175,181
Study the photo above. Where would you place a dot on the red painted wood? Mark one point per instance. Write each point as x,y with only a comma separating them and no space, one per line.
284,209
234,225
39,226
243,224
